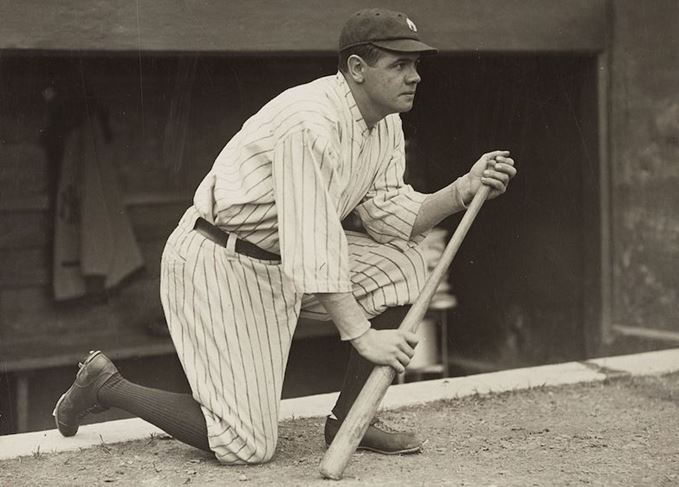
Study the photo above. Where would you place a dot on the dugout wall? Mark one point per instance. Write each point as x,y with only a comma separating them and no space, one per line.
559,77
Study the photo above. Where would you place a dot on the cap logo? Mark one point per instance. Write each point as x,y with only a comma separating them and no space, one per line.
411,25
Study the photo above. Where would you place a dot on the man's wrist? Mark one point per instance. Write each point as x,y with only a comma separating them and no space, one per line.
462,191
354,332
345,313
358,342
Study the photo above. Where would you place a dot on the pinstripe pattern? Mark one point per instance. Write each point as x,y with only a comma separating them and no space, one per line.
382,276
231,320
297,168
285,182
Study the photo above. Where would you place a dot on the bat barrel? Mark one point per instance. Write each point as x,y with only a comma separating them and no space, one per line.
356,423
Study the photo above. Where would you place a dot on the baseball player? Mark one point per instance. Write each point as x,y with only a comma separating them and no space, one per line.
263,243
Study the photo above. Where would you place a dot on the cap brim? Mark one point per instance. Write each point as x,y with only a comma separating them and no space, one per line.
405,45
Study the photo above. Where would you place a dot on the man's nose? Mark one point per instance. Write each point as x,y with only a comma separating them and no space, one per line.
413,76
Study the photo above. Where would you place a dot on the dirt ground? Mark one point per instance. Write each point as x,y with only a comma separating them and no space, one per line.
623,432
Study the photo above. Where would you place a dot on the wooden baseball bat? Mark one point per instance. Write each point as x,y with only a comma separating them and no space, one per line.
365,406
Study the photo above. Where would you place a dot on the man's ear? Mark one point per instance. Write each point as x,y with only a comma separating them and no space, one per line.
356,67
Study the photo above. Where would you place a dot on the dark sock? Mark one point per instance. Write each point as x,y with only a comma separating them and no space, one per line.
358,368
179,415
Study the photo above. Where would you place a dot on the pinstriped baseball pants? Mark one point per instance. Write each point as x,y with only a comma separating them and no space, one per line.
232,319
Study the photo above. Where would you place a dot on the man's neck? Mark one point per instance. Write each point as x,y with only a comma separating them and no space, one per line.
371,115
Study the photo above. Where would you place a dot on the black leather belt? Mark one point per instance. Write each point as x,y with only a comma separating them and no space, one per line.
220,237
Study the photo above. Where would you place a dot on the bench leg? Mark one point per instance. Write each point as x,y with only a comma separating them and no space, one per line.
443,323
22,402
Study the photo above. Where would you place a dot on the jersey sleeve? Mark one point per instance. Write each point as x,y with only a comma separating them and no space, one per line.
389,209
314,249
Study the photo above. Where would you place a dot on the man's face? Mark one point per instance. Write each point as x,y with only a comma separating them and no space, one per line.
392,81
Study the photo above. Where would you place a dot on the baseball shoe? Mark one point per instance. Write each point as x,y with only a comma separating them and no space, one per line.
81,397
379,438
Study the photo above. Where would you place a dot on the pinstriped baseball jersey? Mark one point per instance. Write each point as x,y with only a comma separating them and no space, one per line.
285,182
297,168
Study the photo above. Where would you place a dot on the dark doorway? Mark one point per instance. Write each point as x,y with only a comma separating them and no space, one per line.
525,277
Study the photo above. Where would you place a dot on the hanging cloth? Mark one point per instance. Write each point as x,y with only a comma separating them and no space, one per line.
94,245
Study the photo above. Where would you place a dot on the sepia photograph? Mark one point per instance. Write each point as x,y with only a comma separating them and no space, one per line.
313,243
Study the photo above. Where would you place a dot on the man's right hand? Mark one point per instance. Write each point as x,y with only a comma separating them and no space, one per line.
394,348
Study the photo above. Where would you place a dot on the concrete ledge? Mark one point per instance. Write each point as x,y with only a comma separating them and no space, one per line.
51,441
651,363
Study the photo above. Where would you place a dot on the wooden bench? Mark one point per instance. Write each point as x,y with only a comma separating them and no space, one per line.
22,359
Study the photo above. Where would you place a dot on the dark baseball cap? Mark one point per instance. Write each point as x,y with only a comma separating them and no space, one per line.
387,29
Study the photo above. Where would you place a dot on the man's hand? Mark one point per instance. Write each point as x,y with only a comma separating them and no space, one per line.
387,347
493,169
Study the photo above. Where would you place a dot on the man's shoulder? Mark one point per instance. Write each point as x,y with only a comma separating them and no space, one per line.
319,92
312,105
